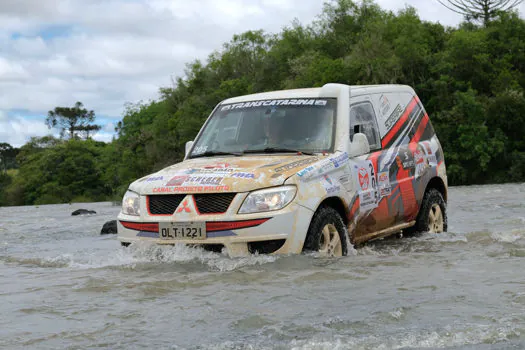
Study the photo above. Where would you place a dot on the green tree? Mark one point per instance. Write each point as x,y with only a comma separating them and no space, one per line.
64,172
470,144
73,122
7,157
483,10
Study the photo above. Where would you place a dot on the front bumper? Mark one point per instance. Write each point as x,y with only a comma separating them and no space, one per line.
233,231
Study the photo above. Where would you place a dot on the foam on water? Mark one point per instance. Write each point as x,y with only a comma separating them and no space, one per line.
139,254
448,337
508,236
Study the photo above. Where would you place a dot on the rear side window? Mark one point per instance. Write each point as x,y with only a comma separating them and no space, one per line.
363,120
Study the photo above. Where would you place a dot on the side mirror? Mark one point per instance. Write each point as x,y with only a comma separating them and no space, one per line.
359,145
189,145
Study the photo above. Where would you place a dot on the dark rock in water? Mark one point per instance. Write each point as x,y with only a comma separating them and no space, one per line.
109,227
83,212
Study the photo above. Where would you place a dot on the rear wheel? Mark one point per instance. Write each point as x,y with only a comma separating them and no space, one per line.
432,216
327,234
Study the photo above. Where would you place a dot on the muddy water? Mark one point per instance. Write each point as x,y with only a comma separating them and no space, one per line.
65,286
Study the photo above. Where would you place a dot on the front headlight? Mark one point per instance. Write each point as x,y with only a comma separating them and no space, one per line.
131,203
268,200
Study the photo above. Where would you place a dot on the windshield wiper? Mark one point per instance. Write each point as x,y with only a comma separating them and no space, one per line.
216,153
277,150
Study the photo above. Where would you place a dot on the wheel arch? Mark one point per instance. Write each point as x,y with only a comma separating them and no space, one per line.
438,184
328,205
338,204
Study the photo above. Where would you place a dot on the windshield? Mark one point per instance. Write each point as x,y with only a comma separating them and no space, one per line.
304,125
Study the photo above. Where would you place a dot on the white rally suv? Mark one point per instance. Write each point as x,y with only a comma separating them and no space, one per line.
297,170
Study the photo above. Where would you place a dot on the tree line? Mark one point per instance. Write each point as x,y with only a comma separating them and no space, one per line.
471,79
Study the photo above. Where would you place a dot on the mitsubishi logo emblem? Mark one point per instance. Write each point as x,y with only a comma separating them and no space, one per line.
184,207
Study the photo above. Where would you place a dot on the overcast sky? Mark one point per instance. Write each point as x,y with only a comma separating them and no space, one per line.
105,53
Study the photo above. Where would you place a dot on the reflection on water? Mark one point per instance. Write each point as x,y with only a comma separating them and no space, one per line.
64,285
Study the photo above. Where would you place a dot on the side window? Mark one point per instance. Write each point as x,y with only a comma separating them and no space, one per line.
363,120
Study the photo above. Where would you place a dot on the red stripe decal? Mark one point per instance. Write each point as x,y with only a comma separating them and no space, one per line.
395,193
439,166
392,132
420,129
211,226
141,226
354,208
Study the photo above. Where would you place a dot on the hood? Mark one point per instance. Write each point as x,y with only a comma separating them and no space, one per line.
223,174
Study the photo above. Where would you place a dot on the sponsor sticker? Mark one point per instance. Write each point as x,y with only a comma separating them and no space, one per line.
340,160
241,175
383,182
364,178
406,158
200,149
177,180
296,164
270,165
367,201
217,166
184,189
394,117
330,185
426,145
324,166
305,171
419,157
420,162
384,105
268,103
431,156
366,181
216,171
154,178
345,178
204,179
432,160
346,181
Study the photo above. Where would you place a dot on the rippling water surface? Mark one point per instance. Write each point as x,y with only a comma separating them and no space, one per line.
65,286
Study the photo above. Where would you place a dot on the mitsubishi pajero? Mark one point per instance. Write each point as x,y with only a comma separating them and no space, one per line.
299,170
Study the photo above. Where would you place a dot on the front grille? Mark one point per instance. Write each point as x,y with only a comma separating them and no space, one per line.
164,204
213,203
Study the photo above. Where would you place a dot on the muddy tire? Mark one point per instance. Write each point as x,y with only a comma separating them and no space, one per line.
432,216
327,233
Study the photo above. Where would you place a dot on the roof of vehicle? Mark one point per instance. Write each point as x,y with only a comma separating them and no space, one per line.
356,90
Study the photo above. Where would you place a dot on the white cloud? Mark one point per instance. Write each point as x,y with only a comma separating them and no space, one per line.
17,130
107,53
11,71
103,136
109,128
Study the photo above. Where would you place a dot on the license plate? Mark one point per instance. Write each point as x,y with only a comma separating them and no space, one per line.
182,230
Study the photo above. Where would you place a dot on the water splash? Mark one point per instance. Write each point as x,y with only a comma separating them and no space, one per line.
508,236
143,254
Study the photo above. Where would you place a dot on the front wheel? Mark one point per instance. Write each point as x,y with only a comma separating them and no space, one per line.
327,234
432,215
